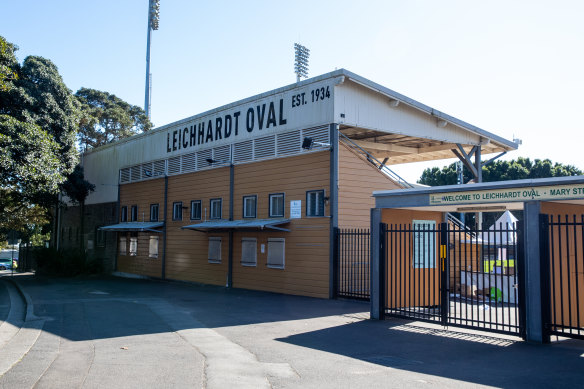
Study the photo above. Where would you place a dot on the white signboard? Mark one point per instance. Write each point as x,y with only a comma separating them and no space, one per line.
295,209
558,192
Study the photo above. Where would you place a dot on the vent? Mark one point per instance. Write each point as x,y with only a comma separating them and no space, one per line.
202,157
124,175
317,135
265,147
135,173
174,165
189,162
243,151
222,155
159,168
288,143
147,171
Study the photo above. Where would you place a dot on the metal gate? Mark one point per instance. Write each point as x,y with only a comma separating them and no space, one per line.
563,251
353,261
441,272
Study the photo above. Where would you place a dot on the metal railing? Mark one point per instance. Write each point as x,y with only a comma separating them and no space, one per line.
353,266
374,161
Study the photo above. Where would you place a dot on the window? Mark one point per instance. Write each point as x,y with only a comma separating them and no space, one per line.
196,210
214,250
134,213
424,245
276,253
277,205
99,237
216,208
315,203
154,212
133,246
249,251
250,206
153,247
177,210
124,214
122,247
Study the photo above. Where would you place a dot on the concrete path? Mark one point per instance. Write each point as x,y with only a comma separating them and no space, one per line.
122,333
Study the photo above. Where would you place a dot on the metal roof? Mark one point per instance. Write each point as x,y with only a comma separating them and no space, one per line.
239,224
134,226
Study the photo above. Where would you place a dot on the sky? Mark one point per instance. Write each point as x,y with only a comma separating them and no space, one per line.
513,68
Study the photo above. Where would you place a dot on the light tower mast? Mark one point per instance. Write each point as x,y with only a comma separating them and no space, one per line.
153,18
301,54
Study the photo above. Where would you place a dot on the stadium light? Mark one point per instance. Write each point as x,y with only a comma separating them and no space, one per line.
153,21
301,54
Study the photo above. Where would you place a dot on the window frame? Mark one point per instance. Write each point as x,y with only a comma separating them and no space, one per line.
151,253
134,213
248,263
214,239
270,196
152,207
308,193
133,242
277,266
200,204
176,217
123,246
255,208
211,201
124,214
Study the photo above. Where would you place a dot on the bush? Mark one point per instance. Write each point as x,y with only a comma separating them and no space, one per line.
66,263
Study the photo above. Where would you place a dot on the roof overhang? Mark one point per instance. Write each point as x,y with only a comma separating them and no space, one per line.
252,224
134,227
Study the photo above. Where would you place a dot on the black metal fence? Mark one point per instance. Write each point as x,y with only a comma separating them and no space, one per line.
564,311
353,263
459,277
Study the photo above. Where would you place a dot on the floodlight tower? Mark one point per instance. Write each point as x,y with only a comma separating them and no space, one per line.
301,54
153,17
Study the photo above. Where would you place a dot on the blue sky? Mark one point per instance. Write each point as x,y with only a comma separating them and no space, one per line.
513,68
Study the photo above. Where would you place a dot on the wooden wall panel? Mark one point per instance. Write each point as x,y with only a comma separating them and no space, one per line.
357,181
142,194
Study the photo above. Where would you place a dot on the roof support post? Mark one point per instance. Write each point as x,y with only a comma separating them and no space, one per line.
230,259
333,206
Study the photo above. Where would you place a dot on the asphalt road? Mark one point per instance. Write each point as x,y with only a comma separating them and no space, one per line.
109,332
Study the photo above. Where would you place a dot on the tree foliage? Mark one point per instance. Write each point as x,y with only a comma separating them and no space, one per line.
38,125
107,118
76,187
521,168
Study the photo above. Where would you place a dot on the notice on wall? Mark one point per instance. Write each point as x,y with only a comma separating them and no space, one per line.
295,209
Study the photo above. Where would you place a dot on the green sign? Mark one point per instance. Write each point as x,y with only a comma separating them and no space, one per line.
558,192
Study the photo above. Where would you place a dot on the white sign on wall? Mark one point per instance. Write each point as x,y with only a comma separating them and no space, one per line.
295,209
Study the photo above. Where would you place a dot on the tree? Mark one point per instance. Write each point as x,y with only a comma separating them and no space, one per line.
522,168
77,188
107,118
38,123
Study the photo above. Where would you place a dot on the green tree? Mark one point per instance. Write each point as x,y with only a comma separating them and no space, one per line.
521,168
38,125
107,118
77,188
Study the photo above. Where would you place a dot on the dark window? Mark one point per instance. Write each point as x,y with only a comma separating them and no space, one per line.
99,238
134,213
154,212
250,206
177,210
315,203
196,210
216,208
277,205
124,214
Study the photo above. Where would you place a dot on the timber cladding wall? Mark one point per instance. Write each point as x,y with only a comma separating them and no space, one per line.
306,269
187,250
357,180
142,195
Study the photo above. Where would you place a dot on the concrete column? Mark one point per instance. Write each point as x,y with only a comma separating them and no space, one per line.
532,269
376,266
